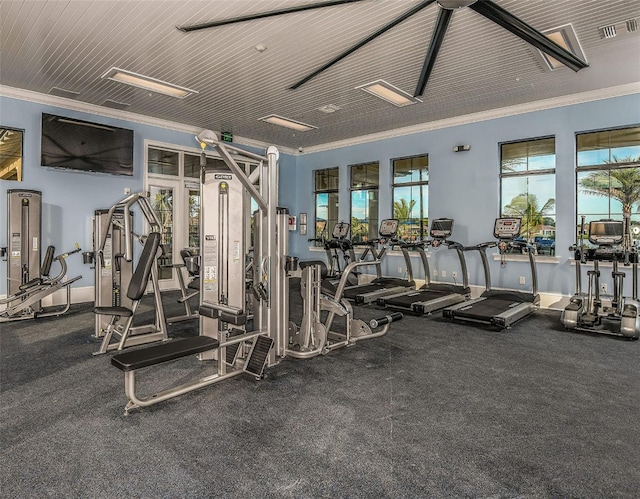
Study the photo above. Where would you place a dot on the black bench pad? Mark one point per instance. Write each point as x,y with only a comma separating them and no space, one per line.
119,311
137,359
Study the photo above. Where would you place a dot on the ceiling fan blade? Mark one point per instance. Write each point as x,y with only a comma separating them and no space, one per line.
361,43
262,15
444,17
500,16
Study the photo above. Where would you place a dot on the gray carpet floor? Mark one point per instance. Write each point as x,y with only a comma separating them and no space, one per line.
432,409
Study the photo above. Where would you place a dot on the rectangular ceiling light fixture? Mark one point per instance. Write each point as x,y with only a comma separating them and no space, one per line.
566,37
148,83
386,91
286,122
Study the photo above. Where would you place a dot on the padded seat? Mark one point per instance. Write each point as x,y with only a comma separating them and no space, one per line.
119,311
137,359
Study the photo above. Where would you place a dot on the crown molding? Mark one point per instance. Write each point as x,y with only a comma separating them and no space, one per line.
503,112
84,107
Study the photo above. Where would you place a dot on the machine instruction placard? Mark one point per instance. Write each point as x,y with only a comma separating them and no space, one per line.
210,259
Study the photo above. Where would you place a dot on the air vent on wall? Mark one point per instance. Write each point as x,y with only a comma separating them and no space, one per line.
61,92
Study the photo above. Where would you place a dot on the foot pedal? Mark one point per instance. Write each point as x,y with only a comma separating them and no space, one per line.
257,359
231,352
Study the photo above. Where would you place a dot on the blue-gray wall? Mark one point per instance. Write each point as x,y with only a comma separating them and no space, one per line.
70,198
465,185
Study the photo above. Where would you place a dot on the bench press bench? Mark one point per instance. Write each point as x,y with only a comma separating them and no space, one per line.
129,362
137,359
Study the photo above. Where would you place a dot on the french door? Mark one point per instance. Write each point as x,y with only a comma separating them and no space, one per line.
177,205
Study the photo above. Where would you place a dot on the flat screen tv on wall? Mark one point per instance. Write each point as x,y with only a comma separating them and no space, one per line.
81,145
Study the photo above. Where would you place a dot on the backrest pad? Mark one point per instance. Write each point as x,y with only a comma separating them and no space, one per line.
140,276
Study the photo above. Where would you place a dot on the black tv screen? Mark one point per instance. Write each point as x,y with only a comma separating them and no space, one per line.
82,145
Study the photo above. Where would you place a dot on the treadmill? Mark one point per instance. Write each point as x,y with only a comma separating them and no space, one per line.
497,307
432,296
381,286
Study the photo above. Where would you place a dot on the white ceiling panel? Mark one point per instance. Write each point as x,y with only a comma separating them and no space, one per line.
481,66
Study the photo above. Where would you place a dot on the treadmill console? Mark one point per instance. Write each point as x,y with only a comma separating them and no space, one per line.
441,228
606,232
389,228
341,230
507,228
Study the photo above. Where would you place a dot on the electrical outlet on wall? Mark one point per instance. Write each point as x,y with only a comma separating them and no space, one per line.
400,270
522,280
435,273
443,273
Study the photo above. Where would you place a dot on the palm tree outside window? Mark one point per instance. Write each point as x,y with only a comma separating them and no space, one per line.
364,201
528,189
327,183
411,196
608,177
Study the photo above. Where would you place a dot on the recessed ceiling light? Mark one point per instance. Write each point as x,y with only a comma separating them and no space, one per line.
388,92
286,122
329,108
566,37
148,83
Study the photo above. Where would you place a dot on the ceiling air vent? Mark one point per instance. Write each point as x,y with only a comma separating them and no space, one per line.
61,92
621,28
115,104
608,31
329,108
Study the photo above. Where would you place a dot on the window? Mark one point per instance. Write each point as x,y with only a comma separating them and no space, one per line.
608,176
327,182
162,162
364,201
410,196
527,188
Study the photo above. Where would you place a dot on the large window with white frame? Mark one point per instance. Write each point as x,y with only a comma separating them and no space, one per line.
528,188
326,185
608,176
411,196
364,201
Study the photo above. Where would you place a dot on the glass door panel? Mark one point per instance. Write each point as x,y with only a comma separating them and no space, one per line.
162,201
193,218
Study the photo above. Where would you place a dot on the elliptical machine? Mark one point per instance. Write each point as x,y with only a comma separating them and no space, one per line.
340,253
587,311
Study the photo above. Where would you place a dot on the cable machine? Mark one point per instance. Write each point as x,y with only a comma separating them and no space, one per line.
28,282
113,240
24,213
112,271
238,339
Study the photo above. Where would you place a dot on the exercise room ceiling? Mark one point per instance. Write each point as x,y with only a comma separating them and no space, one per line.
60,46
